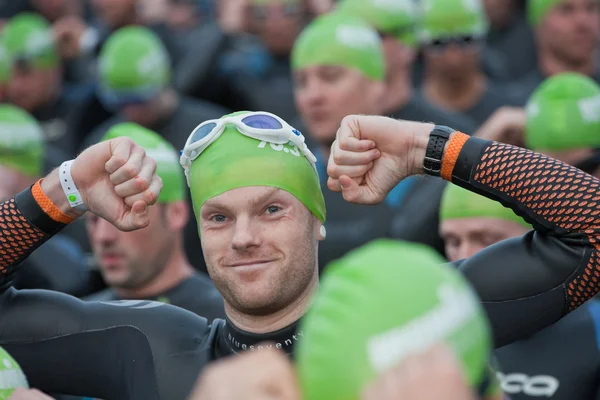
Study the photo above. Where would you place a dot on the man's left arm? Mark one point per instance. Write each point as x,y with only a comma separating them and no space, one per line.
529,283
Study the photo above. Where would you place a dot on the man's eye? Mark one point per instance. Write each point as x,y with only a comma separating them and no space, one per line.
219,218
273,209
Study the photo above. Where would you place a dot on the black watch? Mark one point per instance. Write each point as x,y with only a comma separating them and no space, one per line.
435,149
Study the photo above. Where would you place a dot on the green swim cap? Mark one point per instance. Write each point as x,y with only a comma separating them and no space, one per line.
394,17
235,161
28,37
21,141
377,305
446,18
458,203
341,40
537,9
133,62
11,375
564,113
165,155
5,64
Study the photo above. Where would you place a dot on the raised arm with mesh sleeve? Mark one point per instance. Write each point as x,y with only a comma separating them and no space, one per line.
530,282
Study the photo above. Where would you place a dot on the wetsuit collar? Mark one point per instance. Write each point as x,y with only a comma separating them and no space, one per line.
238,340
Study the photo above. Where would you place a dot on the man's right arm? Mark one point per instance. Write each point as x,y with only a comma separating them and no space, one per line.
24,227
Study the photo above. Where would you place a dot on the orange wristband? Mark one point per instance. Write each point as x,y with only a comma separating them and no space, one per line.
451,155
48,206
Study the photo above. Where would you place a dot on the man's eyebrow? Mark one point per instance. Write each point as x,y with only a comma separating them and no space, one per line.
252,202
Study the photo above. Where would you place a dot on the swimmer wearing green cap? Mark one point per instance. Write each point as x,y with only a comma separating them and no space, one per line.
563,120
339,69
260,212
35,73
151,263
469,223
21,150
566,34
260,237
134,67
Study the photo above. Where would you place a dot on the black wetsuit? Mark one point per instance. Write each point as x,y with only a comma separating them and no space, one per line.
196,294
150,350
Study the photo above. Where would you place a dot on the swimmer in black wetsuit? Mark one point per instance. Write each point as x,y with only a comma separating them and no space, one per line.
260,245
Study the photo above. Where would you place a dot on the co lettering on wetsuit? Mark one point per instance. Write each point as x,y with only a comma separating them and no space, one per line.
157,352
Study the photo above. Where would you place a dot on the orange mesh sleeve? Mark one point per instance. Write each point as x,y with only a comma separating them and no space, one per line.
17,237
553,194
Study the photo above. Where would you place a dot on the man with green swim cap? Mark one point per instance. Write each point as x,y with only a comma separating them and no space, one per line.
561,119
36,82
567,36
151,263
135,81
396,23
453,34
257,198
340,68
470,223
260,213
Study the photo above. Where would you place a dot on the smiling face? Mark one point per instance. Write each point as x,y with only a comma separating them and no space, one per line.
260,247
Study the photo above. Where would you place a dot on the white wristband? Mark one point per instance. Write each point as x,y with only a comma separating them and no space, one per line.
68,186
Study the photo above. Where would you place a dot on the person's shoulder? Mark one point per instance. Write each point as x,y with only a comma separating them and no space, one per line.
104,295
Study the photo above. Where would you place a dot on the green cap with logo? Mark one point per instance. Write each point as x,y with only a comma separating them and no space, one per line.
379,304
537,9
133,62
564,113
448,18
397,18
21,141
165,155
459,203
340,40
235,161
11,375
28,38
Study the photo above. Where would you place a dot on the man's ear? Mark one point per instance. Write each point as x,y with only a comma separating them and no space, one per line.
177,215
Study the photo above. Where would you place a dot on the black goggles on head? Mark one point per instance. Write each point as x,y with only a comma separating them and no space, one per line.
462,41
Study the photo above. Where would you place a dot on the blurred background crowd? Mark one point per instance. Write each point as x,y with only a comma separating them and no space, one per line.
521,72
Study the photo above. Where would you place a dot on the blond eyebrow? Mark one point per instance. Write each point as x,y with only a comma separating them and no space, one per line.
252,202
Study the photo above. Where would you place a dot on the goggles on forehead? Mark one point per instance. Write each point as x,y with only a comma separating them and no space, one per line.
261,126
462,41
